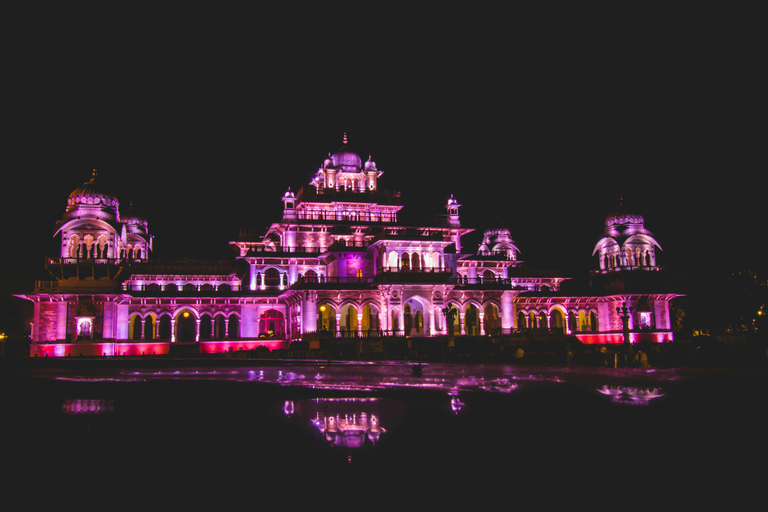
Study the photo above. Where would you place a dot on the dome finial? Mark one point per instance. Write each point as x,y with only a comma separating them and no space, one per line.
345,138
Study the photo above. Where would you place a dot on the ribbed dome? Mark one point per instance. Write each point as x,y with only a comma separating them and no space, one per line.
88,197
620,215
346,158
89,190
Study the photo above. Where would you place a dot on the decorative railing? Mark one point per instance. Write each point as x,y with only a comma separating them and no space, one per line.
304,280
625,267
370,333
89,261
409,270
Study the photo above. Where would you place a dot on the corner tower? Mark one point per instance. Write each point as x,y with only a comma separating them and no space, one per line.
626,244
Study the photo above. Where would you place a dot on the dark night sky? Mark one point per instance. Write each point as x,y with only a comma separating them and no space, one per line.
204,119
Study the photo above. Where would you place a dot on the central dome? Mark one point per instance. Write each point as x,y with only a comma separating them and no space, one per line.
346,158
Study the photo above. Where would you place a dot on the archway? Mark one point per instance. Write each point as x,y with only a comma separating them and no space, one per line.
491,320
521,323
150,325
164,329
349,318
186,326
413,318
471,321
370,318
206,330
233,330
135,328
533,321
326,318
219,327
557,322
543,324
583,322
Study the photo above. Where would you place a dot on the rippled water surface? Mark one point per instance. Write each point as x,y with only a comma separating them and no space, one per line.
231,425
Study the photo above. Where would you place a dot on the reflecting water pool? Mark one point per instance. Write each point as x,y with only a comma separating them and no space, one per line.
316,421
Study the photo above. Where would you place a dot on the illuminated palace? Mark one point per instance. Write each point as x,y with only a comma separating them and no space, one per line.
338,264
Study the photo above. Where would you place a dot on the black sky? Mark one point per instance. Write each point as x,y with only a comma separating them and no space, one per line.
539,120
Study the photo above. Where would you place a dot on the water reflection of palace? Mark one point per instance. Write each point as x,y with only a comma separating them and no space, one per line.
346,422
336,264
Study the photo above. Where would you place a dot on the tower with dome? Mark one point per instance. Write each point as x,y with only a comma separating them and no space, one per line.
336,266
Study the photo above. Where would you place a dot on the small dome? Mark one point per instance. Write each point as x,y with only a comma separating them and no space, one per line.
370,165
134,222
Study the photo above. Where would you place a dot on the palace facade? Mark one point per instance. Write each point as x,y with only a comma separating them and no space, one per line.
337,264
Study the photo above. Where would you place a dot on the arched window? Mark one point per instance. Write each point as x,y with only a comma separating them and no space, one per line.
271,323
102,247
73,247
310,276
405,263
272,277
393,260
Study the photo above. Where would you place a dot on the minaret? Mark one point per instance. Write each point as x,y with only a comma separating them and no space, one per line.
289,205
453,212
453,221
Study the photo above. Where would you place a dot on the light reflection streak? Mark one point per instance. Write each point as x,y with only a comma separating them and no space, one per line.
630,394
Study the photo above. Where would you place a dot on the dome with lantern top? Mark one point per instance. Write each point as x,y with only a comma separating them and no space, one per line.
370,165
347,159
